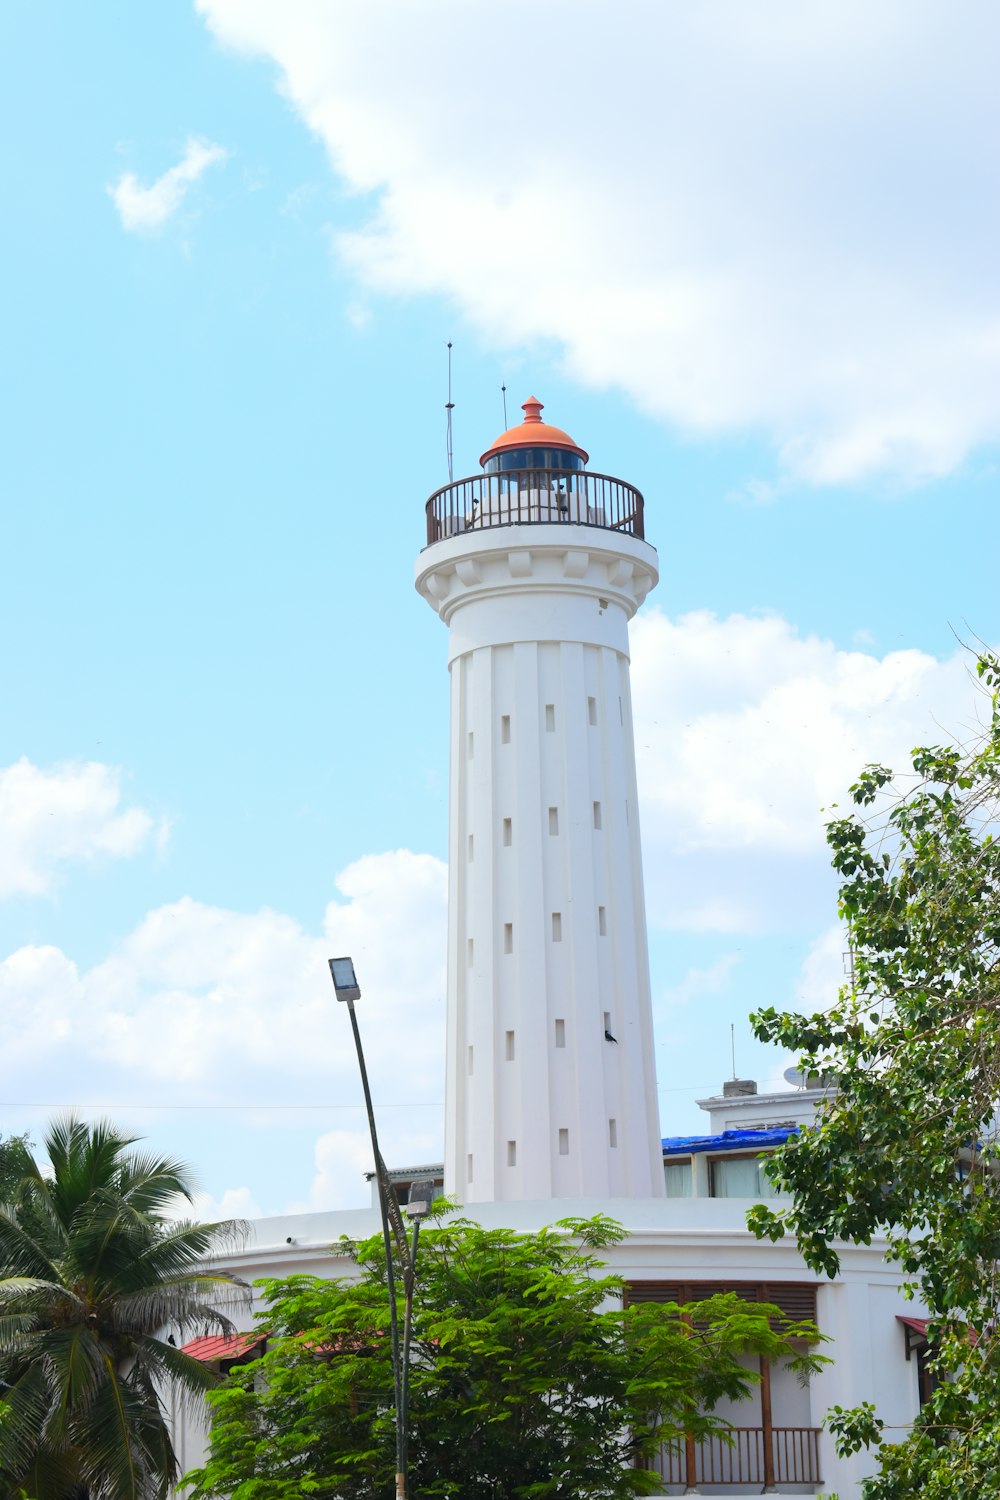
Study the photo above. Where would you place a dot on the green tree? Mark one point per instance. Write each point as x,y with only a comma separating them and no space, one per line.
95,1281
14,1152
529,1377
907,1147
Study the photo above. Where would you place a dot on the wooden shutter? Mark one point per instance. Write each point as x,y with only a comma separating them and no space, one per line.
796,1299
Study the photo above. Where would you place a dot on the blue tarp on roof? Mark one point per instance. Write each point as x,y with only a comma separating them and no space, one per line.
729,1140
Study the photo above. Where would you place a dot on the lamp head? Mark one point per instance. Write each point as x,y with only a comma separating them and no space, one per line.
345,981
421,1196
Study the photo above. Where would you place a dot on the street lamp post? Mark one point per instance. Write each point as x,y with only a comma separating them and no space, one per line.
418,1206
347,989
421,1196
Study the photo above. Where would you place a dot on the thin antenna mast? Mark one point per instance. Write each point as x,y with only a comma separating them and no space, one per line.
503,391
449,408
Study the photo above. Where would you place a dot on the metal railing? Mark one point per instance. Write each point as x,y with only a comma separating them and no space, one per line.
531,497
794,1458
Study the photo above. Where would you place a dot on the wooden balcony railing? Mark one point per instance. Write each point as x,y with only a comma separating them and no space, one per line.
531,497
793,1458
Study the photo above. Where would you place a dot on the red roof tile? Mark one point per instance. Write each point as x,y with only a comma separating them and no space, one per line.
215,1346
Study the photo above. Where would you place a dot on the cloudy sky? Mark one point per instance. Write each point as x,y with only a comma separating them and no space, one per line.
745,254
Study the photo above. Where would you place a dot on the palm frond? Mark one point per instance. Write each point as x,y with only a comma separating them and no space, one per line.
166,1365
188,1302
25,1405
77,1365
198,1240
149,1183
14,1288
21,1253
13,1329
115,1461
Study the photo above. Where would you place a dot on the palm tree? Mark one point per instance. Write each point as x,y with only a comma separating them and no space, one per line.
95,1279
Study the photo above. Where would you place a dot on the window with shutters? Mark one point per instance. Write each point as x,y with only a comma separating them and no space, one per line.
796,1299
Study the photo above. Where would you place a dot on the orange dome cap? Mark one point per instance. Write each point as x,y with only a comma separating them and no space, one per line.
533,433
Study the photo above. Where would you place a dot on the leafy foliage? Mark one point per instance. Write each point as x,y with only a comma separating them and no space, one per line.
907,1146
92,1276
529,1378
14,1154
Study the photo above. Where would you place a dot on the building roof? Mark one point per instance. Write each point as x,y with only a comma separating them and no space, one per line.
729,1140
403,1174
533,433
213,1346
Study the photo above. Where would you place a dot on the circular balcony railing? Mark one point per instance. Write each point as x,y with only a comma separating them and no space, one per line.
533,497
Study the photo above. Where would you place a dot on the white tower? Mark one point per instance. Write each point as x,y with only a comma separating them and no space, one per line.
536,566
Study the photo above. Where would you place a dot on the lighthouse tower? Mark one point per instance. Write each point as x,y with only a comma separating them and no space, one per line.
537,565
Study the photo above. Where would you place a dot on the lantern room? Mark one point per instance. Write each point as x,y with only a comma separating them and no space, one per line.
533,444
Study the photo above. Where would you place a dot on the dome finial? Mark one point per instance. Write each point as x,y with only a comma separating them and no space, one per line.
532,409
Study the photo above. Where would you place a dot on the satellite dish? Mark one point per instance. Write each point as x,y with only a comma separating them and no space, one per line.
796,1078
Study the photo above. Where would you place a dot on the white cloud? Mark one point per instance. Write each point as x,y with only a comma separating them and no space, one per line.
823,972
147,208
343,1157
745,732
232,1203
202,1003
747,217
49,819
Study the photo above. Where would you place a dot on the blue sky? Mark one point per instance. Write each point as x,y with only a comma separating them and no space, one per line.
746,255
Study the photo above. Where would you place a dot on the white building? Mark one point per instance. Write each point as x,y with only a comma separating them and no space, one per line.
536,566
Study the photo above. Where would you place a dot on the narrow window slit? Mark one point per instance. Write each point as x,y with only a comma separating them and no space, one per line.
508,937
508,1050
550,718
505,729
553,820
557,926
